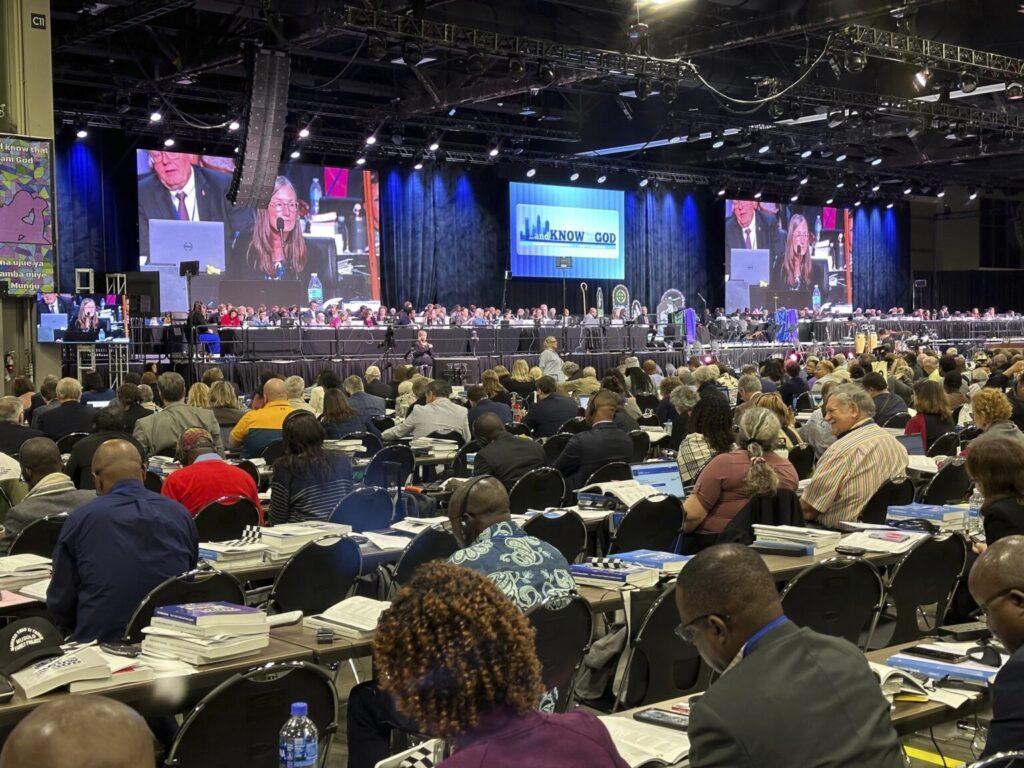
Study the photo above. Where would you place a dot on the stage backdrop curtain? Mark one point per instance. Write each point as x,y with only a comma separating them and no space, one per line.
445,239
881,264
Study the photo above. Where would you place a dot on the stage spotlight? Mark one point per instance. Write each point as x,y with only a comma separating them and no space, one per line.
516,68
764,148
360,161
412,53
721,191
418,166
295,154
836,118
717,141
124,103
155,114
475,64
669,91
941,193
644,182
82,131
759,194
452,111
397,137
876,161
642,88
545,73
968,82
234,125
602,179
377,47
908,188
168,142
1014,91
830,201
922,77
806,154
794,197
371,139
531,173
840,184
855,61
875,187
972,193
857,203
889,205
841,157
434,143
804,180
494,148
304,132
574,176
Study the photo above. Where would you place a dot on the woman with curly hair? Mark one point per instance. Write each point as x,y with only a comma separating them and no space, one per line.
991,411
711,433
458,657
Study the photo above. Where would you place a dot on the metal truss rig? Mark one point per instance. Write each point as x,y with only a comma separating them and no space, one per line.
895,46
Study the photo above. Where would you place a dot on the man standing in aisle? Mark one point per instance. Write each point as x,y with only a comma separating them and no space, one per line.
550,363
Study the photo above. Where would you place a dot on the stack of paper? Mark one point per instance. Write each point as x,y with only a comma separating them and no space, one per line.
613,574
626,492
233,554
355,618
639,743
204,633
809,541
80,663
122,670
24,564
283,541
890,541
947,518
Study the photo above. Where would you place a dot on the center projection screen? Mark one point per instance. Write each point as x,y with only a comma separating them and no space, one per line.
566,232
787,256
320,220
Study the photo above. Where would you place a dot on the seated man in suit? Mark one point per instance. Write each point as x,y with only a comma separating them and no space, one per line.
551,410
362,402
439,413
479,404
70,416
997,586
108,424
602,444
13,432
502,455
787,696
161,431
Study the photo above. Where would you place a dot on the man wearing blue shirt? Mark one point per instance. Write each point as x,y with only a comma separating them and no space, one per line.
113,551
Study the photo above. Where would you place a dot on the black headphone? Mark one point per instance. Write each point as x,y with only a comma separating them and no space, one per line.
463,514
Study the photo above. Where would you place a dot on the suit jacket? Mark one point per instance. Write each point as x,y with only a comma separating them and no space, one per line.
378,388
79,465
440,414
65,419
367,404
1006,731
798,698
13,435
490,406
769,237
587,451
162,430
547,415
155,203
791,389
508,458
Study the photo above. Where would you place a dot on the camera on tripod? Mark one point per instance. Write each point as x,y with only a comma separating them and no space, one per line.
388,344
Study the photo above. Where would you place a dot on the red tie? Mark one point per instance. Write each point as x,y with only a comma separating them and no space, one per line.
182,210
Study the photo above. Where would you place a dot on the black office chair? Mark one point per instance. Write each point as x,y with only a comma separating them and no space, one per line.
651,523
448,434
226,518
574,426
39,537
1014,759
198,586
565,531
371,443
390,467
564,627
253,707
897,421
272,452
967,434
152,481
365,509
382,422
250,469
945,445
641,445
460,465
803,403
554,446
950,485
66,443
648,421
518,428
614,470
841,596
955,416
660,664
779,508
891,493
925,576
802,459
316,577
434,543
539,489
647,402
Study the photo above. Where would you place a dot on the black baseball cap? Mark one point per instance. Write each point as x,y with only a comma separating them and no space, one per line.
27,641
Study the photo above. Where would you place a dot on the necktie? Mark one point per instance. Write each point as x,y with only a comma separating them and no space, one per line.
746,237
182,210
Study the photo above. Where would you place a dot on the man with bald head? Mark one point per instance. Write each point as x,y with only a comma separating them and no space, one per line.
602,444
505,456
114,550
160,432
80,732
259,428
786,696
997,586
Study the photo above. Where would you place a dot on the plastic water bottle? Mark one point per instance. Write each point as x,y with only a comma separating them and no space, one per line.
974,510
316,289
817,226
816,298
315,193
298,743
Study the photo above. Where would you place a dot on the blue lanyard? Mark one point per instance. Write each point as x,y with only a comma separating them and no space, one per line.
749,646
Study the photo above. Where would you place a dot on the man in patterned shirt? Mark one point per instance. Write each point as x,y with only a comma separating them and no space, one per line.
863,457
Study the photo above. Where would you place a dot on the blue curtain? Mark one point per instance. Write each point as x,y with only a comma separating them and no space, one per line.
881,263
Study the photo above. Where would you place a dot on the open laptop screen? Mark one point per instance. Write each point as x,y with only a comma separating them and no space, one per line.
663,475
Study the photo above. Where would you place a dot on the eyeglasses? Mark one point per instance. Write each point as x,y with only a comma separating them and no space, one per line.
981,613
279,206
687,632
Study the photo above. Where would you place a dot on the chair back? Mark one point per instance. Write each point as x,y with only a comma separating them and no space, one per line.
563,626
272,452
253,707
227,518
66,443
250,469
651,523
152,481
641,445
891,493
647,402
575,425
448,434
779,508
967,434
947,444
661,665
225,435
316,577
460,465
613,470
554,446
950,485
371,443
565,531
365,509
926,576
382,422
897,421
1014,759
390,467
434,543
39,537
802,459
841,596
646,420
803,403
199,586
539,488
518,428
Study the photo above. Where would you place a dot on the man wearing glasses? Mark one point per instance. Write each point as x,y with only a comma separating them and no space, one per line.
786,696
997,585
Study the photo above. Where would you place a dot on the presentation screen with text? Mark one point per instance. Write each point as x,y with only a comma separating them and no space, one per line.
567,232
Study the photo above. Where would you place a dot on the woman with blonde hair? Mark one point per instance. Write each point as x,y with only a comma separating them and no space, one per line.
796,271
278,249
199,395
87,318
901,380
788,436
520,381
224,404
492,386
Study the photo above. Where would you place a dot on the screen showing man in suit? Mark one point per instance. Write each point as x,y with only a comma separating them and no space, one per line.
786,256
320,221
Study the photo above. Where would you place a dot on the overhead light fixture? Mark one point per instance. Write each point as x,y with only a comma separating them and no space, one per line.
295,154
602,179
124,103
642,88
434,143
830,201
968,82
890,205
836,118
908,188
168,142
758,194
972,193
360,161
876,186
841,157
494,148
794,197
1014,91
397,137
804,180
669,91
644,182
721,191
304,133
516,68
922,77
155,114
876,161
234,125
475,64
371,139
941,193
718,141
857,203
840,184
452,112
545,73
418,166
412,53
574,176
531,173
82,131
377,47
806,154
855,61
764,148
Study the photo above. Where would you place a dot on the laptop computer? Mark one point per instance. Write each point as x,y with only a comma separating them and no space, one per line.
584,399
172,242
663,475
913,443
751,265
48,324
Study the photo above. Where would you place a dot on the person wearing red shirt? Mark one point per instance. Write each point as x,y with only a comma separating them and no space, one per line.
231,319
204,476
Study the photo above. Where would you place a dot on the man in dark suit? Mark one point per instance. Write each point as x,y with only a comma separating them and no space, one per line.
751,228
794,385
997,586
376,387
502,455
602,444
479,404
71,415
788,696
53,304
13,431
551,410
179,190
362,402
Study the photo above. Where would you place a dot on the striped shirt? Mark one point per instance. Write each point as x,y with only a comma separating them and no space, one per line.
694,453
851,470
304,495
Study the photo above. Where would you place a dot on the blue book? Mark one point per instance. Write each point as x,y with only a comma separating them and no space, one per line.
937,670
785,548
935,512
206,614
613,576
666,562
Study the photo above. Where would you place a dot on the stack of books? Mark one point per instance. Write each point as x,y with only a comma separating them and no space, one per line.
668,563
205,633
121,671
612,573
946,517
77,664
283,541
793,540
24,565
354,618
239,553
